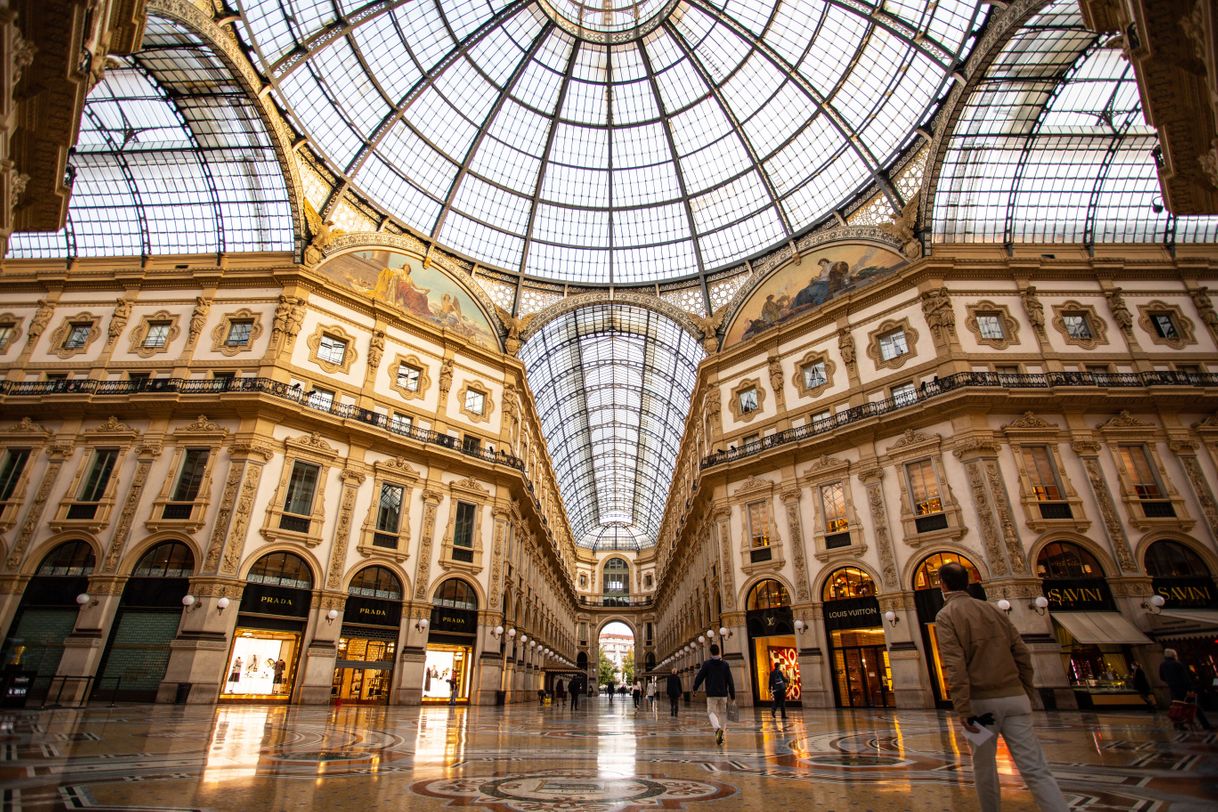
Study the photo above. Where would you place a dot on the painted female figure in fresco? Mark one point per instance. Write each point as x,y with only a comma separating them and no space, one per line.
395,285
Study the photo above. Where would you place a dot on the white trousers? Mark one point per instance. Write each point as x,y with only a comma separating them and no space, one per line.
716,709
1013,721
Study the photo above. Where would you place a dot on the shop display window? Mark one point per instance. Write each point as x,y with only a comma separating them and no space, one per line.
445,663
261,665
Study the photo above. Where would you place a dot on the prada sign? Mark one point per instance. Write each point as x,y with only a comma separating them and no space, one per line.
1078,594
1187,593
372,612
454,621
855,613
261,599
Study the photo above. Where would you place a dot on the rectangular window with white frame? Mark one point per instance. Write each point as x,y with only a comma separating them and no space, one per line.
298,502
833,509
991,327
158,334
814,374
463,532
388,516
93,486
15,460
924,496
904,394
190,480
408,377
239,332
759,531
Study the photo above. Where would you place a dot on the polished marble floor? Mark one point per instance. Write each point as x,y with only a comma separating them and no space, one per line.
602,757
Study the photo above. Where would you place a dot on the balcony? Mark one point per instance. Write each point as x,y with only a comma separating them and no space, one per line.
959,381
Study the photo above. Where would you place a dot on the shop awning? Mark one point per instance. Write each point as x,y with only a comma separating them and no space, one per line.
1100,628
1206,618
1185,624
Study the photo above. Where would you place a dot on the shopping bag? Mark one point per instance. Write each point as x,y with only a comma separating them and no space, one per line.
1181,713
733,711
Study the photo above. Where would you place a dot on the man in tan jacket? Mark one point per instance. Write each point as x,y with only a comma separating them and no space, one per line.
989,675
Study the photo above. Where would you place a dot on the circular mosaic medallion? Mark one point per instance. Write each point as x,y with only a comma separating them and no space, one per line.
573,790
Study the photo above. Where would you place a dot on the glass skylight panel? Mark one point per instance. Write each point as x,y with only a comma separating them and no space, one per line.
891,88
387,56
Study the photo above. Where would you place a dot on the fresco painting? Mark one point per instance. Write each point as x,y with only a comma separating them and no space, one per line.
827,272
426,293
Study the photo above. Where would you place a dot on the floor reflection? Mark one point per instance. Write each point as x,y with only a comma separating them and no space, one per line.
601,757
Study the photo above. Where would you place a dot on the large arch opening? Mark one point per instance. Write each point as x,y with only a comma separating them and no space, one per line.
615,656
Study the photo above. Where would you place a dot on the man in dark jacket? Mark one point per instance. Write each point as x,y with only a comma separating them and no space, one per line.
673,689
778,690
1180,684
719,688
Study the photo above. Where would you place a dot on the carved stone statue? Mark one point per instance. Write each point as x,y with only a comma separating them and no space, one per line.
845,345
198,317
446,377
1205,308
709,325
376,346
515,325
322,233
904,226
1034,309
42,317
1120,312
122,312
937,307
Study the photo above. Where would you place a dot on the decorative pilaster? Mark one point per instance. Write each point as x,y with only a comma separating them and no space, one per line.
342,531
985,518
879,522
727,569
1088,451
232,520
422,577
1186,451
1006,519
145,455
502,516
790,498
56,452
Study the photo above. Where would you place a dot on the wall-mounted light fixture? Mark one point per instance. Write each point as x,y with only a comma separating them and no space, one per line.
497,632
222,604
800,626
190,602
421,624
1154,604
892,618
85,599
1040,605
724,631
511,633
1004,605
332,616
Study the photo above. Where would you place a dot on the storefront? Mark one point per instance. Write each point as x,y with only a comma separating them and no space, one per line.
1188,620
367,645
47,614
928,600
1095,638
771,640
448,668
858,651
149,614
267,641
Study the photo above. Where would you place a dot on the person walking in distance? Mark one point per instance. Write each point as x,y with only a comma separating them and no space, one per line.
719,689
673,689
778,689
989,676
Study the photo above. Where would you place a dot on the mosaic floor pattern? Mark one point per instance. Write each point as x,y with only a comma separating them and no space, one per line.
601,758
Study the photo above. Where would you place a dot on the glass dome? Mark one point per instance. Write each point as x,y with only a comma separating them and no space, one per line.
617,142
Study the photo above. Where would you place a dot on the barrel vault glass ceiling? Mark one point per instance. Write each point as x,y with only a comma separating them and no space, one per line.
608,142
612,384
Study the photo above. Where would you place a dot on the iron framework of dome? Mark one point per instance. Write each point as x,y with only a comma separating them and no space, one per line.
612,384
618,142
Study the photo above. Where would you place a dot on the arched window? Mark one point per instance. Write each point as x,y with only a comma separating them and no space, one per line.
169,559
71,559
376,582
927,576
617,577
769,594
456,594
848,582
282,569
1171,559
1062,559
